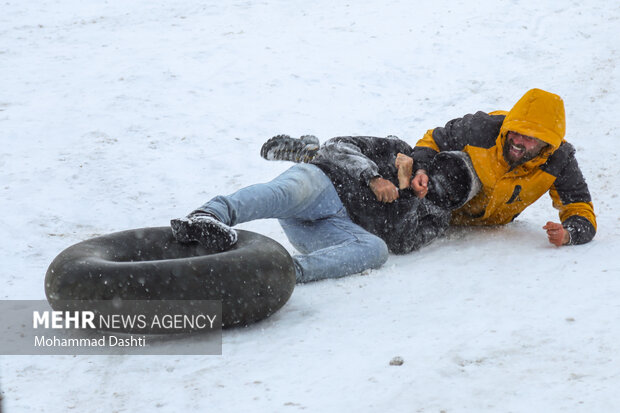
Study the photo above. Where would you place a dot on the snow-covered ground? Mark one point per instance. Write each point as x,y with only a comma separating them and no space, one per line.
118,115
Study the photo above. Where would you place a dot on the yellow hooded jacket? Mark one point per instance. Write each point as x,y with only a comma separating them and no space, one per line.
507,192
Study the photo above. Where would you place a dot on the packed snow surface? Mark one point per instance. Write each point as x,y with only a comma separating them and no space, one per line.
118,115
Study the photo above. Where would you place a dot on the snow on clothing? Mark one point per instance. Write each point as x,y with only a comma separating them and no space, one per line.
329,213
508,191
351,162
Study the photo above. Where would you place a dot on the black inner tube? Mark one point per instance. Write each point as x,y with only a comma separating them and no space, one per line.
253,279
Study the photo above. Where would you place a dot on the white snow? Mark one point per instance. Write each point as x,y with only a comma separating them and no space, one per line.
118,115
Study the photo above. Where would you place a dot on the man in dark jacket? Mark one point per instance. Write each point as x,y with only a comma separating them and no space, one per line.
342,211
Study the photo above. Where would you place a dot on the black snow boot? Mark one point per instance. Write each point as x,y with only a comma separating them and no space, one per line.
205,229
285,148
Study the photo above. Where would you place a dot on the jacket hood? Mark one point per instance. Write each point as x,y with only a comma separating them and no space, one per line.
539,114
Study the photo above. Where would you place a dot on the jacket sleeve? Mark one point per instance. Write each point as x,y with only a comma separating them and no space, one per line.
417,227
570,195
479,129
347,155
362,157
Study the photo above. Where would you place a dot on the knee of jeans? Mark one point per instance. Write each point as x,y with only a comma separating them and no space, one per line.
377,253
302,182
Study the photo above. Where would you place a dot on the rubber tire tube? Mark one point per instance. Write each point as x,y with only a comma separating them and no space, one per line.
253,279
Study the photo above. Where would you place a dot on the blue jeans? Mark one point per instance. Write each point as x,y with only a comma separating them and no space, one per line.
307,206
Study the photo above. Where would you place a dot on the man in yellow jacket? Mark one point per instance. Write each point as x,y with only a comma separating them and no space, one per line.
518,156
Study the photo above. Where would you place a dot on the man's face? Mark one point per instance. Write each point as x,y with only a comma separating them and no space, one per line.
519,149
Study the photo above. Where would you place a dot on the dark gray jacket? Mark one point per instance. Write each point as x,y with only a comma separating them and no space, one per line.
351,162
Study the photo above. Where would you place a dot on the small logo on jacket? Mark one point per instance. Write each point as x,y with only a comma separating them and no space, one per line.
515,195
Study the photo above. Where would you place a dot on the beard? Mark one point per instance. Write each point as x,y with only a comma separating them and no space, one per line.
517,155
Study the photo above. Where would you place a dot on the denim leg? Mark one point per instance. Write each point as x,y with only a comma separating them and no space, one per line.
305,201
333,247
303,191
